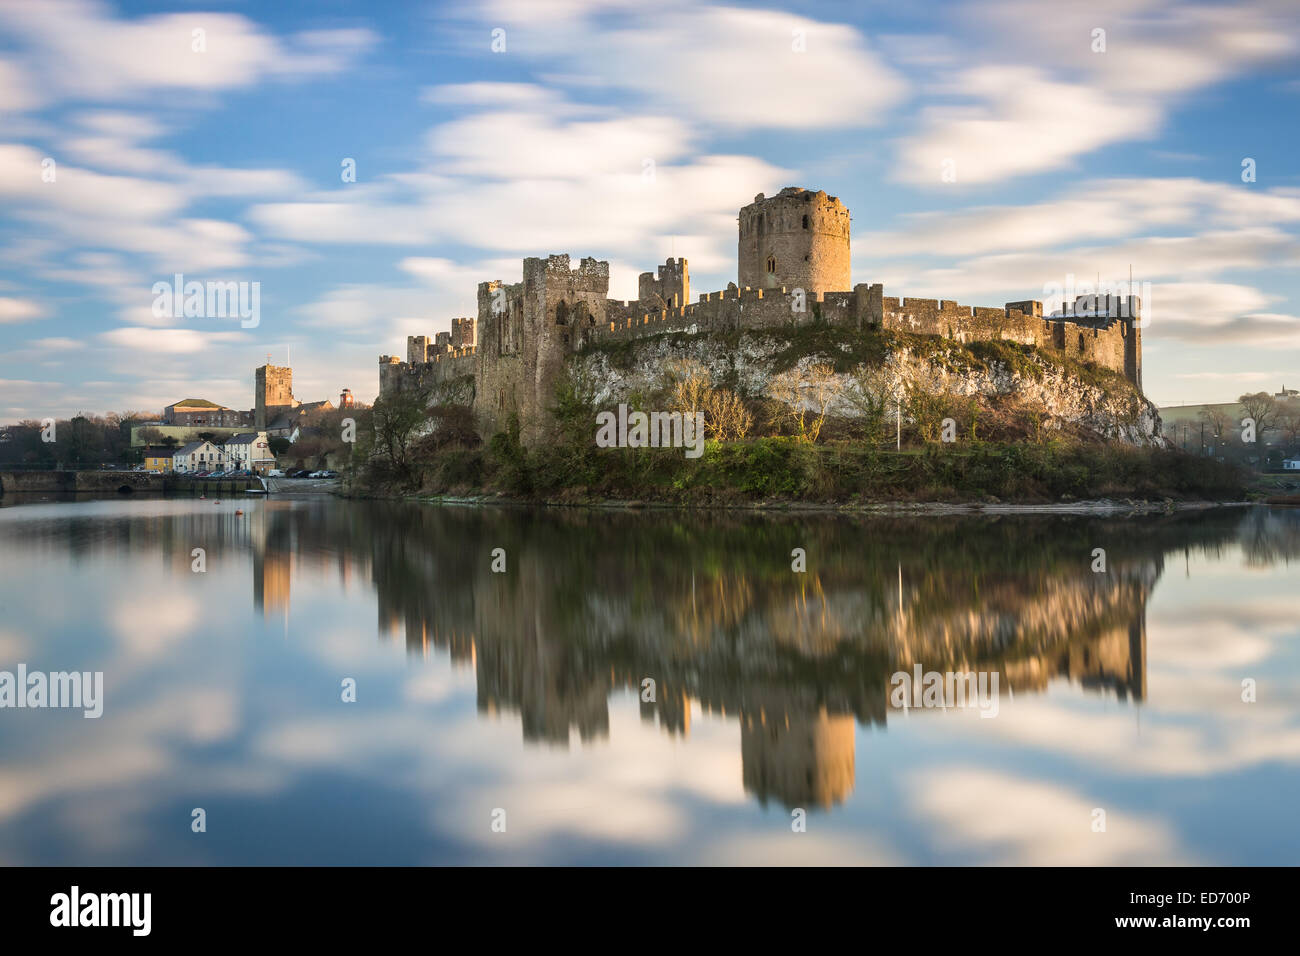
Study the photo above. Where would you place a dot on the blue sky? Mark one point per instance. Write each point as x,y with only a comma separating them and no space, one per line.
224,163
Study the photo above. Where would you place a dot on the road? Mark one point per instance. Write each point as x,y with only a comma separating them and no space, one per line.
303,486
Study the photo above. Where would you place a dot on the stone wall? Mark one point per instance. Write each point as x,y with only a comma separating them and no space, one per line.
396,375
98,481
793,264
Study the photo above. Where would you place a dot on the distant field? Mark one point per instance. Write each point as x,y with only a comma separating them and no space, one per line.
1187,414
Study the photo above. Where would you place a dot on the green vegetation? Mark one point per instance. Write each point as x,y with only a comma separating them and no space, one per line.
842,472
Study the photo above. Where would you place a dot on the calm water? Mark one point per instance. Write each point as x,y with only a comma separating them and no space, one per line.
521,691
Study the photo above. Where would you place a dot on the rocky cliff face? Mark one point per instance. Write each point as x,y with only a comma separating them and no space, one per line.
1111,410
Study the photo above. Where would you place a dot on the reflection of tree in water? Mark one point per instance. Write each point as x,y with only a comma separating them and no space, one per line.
1270,536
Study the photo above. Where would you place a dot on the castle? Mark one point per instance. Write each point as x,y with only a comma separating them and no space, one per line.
793,269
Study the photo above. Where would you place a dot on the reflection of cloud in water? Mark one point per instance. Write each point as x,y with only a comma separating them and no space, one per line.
630,791
796,849
1001,819
12,647
148,621
1147,745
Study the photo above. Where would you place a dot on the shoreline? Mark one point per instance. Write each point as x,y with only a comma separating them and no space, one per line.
1107,507
1102,506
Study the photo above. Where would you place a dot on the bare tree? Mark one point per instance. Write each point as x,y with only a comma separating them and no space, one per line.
397,420
727,416
1287,421
927,404
806,399
689,387
1261,406
1216,419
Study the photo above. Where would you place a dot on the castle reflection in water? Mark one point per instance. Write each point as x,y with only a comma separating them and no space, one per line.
593,604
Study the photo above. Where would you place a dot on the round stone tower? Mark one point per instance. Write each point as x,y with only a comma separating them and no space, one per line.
798,239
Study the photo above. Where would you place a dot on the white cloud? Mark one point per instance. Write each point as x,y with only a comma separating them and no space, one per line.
1152,258
77,48
1152,46
83,192
1024,122
531,145
111,139
484,93
726,66
131,214
545,182
56,344
15,93
1063,99
19,310
168,341
1097,209
1217,313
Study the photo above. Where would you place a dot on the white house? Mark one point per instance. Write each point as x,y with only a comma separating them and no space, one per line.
250,452
197,456
1291,464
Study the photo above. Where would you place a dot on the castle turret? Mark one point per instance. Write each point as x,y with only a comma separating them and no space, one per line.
417,349
669,289
797,239
462,333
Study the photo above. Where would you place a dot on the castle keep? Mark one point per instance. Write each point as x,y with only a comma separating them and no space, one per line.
793,269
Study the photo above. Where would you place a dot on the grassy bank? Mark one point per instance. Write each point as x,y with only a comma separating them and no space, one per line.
841,472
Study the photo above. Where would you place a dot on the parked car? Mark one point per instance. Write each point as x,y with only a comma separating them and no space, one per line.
274,473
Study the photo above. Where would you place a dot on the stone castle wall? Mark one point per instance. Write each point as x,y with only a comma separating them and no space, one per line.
793,259
1109,342
396,375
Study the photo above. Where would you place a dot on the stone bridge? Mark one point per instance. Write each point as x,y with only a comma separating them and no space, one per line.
97,481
